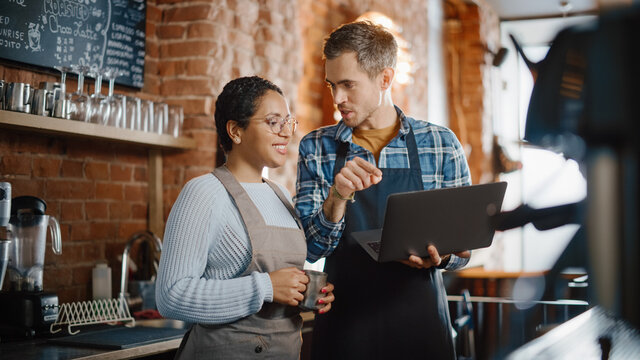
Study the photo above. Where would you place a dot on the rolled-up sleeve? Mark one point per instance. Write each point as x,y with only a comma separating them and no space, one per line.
311,190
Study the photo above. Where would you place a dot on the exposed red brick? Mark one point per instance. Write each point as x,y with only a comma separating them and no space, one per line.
15,165
189,13
121,172
154,13
120,210
152,49
200,67
239,39
170,31
138,212
79,231
58,276
109,191
126,229
96,170
46,167
140,174
170,176
187,86
207,30
72,169
71,211
200,122
96,210
171,68
69,189
150,28
188,48
82,274
103,230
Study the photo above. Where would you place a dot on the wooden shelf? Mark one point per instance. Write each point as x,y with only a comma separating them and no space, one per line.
72,128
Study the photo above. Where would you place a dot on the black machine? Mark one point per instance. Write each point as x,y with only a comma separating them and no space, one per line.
26,314
25,309
584,105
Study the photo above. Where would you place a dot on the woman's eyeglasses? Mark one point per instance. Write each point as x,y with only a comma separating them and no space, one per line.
277,123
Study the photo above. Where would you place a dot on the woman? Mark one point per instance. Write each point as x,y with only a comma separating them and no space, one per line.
233,246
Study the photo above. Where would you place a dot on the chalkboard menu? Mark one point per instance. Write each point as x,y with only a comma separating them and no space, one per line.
100,33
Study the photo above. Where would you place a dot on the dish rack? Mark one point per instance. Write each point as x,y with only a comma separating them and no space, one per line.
102,311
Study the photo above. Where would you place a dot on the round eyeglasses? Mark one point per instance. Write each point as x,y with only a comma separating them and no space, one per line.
277,123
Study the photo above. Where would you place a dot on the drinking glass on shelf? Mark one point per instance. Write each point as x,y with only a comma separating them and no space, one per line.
147,119
79,104
116,101
176,119
132,113
99,108
161,113
60,100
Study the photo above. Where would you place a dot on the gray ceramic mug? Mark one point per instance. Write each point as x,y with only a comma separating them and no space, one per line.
317,280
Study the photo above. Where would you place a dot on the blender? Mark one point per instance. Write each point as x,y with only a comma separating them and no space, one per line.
25,309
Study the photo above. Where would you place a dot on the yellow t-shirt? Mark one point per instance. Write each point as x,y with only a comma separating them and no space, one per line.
375,139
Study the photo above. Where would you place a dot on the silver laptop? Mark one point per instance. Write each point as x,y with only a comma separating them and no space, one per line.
452,219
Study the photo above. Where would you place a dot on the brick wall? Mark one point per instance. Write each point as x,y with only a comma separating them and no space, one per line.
99,190
471,29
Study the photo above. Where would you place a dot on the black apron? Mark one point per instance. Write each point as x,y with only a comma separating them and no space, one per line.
382,310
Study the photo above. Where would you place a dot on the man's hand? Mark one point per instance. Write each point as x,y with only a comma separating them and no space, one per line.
288,285
357,174
434,258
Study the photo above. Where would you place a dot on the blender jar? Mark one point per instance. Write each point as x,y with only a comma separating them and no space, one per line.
26,254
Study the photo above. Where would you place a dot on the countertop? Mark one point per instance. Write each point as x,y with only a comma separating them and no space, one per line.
40,349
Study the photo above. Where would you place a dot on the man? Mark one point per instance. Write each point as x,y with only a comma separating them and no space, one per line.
389,310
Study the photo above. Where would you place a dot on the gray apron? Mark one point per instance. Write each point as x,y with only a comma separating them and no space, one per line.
273,332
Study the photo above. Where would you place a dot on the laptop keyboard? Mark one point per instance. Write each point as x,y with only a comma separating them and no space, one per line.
375,245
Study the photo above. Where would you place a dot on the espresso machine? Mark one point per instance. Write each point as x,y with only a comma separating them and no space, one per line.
25,309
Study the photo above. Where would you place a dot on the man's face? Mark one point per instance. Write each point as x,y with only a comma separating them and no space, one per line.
356,95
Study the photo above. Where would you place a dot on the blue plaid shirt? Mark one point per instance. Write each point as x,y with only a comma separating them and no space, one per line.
441,158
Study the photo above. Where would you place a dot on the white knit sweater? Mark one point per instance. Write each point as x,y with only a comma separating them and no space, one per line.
205,250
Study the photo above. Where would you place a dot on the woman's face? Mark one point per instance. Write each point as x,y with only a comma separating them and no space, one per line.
259,145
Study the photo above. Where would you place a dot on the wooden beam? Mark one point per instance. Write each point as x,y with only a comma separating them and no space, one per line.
156,221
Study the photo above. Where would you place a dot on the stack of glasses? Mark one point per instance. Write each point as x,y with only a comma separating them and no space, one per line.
121,111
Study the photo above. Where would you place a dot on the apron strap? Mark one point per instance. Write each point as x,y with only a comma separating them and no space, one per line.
412,150
341,157
248,210
285,201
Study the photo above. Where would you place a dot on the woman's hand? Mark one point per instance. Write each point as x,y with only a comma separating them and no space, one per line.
328,299
288,285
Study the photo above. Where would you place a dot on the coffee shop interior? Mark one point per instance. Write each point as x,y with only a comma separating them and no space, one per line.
107,111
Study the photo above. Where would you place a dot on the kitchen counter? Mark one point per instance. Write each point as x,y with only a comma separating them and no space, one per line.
40,349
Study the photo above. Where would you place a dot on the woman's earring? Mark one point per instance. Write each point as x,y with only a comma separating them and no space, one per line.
237,140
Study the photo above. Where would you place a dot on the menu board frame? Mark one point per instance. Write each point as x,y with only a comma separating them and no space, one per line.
97,33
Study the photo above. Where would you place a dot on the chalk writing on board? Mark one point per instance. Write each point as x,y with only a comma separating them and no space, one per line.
96,33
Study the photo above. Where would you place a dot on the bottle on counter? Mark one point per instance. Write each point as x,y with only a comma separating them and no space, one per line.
101,281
